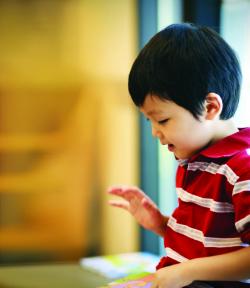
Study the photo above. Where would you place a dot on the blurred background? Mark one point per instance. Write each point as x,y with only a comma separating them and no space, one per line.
68,129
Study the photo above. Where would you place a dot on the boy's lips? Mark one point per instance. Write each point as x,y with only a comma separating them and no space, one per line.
171,147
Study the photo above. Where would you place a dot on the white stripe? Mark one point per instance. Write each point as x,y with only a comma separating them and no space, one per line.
174,255
241,187
214,168
198,235
215,206
242,222
182,162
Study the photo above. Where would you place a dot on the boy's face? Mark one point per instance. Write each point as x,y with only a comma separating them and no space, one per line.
176,127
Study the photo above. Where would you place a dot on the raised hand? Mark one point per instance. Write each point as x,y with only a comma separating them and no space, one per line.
140,206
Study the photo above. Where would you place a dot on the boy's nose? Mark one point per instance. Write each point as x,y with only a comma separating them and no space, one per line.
155,133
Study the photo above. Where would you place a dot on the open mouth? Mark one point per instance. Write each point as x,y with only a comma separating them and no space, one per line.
171,147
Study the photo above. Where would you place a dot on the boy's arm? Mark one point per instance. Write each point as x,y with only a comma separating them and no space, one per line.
139,205
229,267
233,266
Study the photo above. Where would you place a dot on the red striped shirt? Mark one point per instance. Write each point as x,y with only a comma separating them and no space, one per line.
213,215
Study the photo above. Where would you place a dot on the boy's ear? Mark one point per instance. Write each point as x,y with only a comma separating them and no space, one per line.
213,106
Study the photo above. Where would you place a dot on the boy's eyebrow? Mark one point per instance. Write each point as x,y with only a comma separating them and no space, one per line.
152,112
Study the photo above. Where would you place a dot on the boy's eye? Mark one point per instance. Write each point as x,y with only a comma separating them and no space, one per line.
163,121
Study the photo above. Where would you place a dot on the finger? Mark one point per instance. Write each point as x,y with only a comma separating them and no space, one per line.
127,192
119,204
154,285
117,191
118,188
114,189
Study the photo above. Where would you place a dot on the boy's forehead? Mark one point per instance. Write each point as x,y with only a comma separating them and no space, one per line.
153,105
153,112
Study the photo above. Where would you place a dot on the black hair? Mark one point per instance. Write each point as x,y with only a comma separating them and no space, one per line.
183,63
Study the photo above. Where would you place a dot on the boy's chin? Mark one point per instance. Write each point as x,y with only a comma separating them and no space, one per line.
182,156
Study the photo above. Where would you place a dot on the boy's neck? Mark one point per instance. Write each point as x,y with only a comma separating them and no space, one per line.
223,129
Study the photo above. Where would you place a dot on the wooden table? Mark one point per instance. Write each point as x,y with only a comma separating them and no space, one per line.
49,276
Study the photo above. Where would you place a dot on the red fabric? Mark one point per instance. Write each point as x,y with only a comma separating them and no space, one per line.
213,215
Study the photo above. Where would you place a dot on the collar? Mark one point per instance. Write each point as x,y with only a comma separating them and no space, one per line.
228,146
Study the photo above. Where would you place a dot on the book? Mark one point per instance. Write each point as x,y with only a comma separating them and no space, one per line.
128,270
121,265
145,280
138,280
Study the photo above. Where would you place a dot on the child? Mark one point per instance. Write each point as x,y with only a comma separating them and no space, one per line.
186,82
